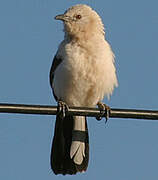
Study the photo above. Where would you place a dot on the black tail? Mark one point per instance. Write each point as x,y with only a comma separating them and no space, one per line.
61,163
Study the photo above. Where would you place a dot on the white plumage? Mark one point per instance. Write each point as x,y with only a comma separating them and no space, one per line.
87,72
87,69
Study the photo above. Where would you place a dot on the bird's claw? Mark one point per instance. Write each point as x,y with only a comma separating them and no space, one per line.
104,111
62,109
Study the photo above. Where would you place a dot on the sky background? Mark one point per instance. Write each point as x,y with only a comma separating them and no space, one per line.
124,149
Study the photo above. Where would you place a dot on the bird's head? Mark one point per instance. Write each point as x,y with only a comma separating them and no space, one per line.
80,21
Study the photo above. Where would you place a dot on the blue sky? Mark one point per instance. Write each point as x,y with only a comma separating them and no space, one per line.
29,36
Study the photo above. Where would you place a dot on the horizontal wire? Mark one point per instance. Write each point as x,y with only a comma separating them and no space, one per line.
78,111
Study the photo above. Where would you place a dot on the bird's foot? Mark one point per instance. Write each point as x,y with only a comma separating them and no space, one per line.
104,111
62,109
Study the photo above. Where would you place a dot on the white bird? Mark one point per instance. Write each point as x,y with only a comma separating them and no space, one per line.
82,73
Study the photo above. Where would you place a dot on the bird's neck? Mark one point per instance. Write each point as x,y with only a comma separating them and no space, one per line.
83,38
89,45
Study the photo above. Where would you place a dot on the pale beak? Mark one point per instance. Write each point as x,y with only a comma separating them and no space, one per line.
62,17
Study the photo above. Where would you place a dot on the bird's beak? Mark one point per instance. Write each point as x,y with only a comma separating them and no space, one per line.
62,17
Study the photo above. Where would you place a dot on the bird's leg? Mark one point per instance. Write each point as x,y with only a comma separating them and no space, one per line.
62,108
104,111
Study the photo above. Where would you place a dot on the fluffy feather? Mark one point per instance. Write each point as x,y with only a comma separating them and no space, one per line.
85,74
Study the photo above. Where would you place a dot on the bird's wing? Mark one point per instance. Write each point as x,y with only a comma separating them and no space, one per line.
55,64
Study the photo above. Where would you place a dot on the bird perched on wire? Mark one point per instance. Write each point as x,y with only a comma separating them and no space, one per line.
82,73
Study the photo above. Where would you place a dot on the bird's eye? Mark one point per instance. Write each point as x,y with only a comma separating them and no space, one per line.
78,16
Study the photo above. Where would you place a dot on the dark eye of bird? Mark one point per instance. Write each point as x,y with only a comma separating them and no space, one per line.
78,16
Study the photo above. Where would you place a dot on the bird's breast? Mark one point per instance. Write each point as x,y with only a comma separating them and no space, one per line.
75,80
84,76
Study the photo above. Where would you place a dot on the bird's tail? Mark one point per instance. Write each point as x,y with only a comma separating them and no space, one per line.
70,148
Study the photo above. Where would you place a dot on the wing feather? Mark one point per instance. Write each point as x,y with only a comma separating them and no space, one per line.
56,62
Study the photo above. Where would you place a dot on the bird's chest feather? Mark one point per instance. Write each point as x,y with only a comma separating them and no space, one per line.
79,67
76,76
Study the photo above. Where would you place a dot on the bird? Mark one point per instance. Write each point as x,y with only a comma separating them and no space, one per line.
82,73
